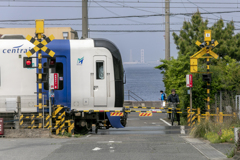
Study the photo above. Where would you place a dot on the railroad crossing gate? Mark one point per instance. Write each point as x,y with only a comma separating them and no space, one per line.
207,47
145,114
205,52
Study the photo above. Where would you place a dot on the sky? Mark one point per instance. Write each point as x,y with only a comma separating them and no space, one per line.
153,43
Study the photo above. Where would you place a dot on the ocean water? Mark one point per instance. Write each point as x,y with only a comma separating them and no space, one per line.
144,80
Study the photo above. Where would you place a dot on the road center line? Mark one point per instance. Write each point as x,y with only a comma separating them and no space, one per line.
165,121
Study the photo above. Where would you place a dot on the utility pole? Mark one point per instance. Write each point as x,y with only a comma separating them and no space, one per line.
84,19
167,29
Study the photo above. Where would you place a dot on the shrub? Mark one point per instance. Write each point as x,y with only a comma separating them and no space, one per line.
200,129
213,137
227,135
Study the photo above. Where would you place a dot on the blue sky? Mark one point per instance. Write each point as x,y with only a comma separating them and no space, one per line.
152,42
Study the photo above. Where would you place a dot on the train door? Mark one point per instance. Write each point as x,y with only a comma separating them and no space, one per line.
100,83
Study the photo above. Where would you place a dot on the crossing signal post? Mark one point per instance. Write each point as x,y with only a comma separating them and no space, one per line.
40,41
205,52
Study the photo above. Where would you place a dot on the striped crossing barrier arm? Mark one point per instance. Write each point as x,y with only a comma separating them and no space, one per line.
140,107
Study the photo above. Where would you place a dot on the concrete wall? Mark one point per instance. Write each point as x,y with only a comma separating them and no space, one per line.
56,31
145,103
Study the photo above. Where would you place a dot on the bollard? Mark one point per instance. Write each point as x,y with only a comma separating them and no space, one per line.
236,138
182,130
20,121
221,117
19,110
207,116
188,116
217,117
32,121
193,119
234,115
198,115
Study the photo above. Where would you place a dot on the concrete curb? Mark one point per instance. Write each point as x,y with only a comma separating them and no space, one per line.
26,133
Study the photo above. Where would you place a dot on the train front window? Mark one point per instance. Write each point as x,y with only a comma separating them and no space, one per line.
99,70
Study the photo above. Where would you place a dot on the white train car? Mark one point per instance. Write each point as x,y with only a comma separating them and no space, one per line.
90,78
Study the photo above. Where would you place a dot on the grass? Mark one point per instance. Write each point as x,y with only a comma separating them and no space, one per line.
209,128
217,132
66,134
231,153
77,135
183,121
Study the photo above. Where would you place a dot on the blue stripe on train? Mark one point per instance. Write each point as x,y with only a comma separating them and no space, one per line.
62,54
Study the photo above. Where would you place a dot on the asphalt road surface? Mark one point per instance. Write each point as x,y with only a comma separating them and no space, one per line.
145,138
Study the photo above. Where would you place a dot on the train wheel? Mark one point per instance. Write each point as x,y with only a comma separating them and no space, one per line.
81,130
96,128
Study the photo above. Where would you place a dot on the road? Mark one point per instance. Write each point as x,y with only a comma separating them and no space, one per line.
145,138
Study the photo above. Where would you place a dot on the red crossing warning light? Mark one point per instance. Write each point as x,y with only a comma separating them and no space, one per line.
27,62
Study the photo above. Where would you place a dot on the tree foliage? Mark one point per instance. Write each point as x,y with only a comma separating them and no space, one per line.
225,70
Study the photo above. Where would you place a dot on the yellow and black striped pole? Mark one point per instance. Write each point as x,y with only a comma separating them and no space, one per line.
208,87
39,32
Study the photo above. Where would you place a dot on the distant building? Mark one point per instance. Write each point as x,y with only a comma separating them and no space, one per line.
56,31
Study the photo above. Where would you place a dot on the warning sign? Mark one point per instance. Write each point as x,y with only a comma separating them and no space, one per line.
54,81
1,127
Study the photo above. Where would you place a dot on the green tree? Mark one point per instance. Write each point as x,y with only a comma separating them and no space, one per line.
224,69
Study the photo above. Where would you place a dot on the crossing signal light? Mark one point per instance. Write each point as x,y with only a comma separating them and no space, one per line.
51,62
27,62
207,77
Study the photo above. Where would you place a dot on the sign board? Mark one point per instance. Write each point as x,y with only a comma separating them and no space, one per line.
1,127
54,80
189,81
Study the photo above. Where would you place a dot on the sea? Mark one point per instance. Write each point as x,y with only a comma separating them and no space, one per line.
143,80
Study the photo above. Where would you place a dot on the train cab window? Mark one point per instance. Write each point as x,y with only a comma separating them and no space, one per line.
59,70
117,69
99,70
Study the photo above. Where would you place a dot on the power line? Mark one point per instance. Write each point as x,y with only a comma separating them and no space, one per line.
122,7
130,30
134,2
115,13
116,17
205,10
131,7
135,30
122,24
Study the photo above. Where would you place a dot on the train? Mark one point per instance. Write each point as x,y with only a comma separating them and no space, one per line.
91,77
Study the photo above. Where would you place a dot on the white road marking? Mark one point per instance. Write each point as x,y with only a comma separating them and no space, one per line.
88,135
165,122
111,147
96,149
153,123
109,142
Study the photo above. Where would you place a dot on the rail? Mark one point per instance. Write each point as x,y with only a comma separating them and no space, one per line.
134,96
